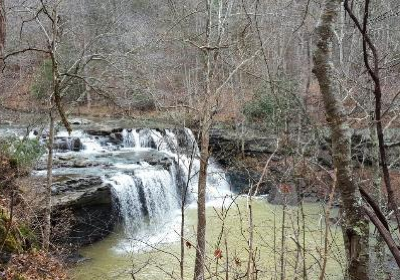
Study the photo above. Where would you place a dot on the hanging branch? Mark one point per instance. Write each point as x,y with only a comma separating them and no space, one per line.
374,206
373,71
387,236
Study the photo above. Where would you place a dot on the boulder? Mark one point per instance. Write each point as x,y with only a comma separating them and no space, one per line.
67,144
79,121
81,163
89,201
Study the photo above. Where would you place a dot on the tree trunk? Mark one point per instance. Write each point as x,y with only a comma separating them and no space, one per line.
201,200
204,154
2,28
380,247
355,226
47,214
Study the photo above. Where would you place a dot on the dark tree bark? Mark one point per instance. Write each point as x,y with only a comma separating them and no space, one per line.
355,227
385,233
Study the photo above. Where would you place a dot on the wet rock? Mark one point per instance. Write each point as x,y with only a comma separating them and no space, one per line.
227,145
227,149
241,180
68,161
117,130
95,132
89,201
116,138
79,163
164,162
79,121
67,144
66,157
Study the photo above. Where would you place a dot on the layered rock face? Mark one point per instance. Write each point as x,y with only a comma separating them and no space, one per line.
133,178
89,204
243,157
86,164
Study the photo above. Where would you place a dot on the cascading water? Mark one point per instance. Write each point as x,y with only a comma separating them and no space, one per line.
148,171
144,198
131,138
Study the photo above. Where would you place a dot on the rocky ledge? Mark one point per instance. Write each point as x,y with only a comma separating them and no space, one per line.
87,204
244,157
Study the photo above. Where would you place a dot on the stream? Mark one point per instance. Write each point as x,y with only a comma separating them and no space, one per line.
148,171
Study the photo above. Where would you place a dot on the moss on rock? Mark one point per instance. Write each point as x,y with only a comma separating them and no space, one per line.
15,238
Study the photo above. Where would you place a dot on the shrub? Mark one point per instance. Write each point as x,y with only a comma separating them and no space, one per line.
272,108
142,101
19,154
43,80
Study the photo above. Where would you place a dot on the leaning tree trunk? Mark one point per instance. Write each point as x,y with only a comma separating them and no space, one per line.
379,268
355,226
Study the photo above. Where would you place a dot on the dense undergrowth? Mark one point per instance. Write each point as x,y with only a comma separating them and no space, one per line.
21,257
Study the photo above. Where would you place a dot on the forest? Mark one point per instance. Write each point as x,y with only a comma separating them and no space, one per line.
210,139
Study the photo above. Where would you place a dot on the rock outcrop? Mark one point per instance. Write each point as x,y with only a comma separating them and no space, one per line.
88,202
228,148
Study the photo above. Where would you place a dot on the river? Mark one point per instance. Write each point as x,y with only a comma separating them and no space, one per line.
147,170
113,258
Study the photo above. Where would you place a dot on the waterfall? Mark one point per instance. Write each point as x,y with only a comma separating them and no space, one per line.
136,138
179,146
127,138
130,206
148,171
147,138
130,138
145,198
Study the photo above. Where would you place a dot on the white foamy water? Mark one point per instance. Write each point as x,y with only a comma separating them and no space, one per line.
150,170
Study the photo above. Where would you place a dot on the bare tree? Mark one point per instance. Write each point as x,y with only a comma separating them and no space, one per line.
46,16
374,72
355,228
